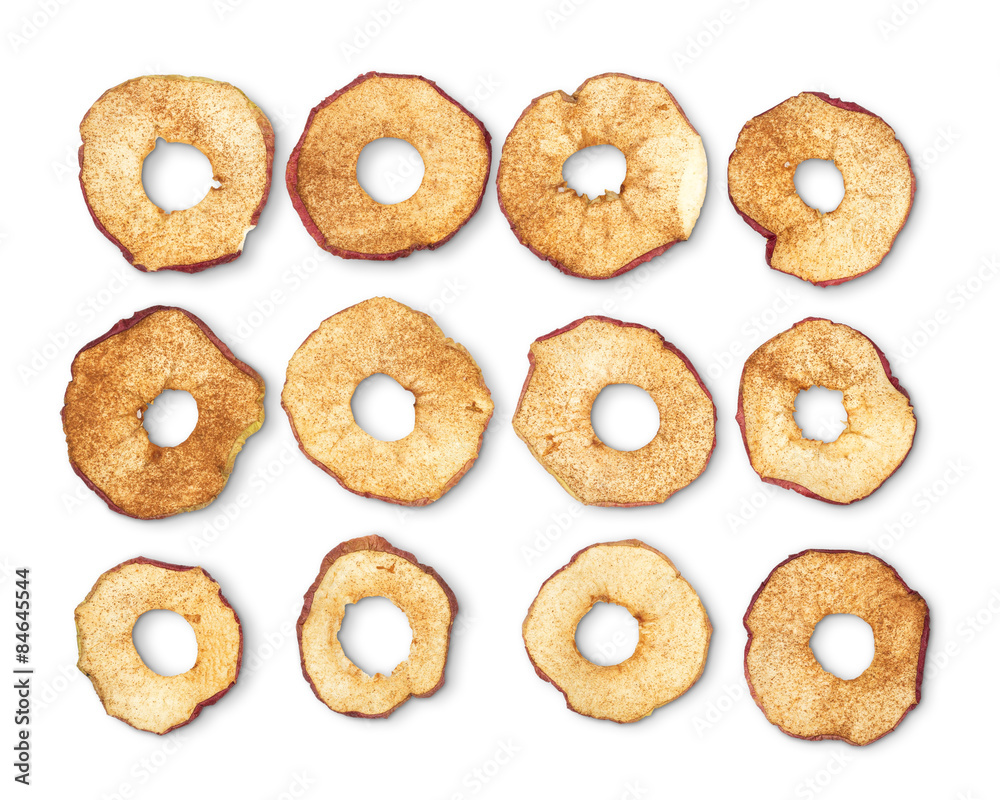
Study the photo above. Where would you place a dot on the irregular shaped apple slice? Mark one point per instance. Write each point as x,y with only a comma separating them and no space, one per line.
880,420
451,412
674,631
121,129
568,369
131,691
660,198
785,679
371,567
321,172
823,248
117,376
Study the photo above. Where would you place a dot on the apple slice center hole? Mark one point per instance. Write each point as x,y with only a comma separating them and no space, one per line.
844,645
819,184
383,408
594,170
170,417
375,635
390,170
820,413
607,634
625,417
165,642
177,176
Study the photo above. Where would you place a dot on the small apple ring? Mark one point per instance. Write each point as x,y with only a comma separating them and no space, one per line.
117,376
131,691
674,631
785,679
371,567
822,248
121,129
880,419
321,175
452,405
657,204
568,369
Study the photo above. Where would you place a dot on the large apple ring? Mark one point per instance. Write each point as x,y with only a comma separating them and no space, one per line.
660,198
117,376
121,129
322,180
371,567
880,420
129,689
830,248
785,679
451,412
674,631
568,369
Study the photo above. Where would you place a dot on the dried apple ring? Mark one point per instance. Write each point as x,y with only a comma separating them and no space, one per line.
823,248
568,369
880,420
121,129
131,691
117,376
785,679
371,567
660,198
674,631
451,411
321,173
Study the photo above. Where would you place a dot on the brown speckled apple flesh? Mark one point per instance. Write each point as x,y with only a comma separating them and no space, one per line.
371,567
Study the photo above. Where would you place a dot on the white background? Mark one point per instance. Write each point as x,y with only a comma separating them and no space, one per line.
930,71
